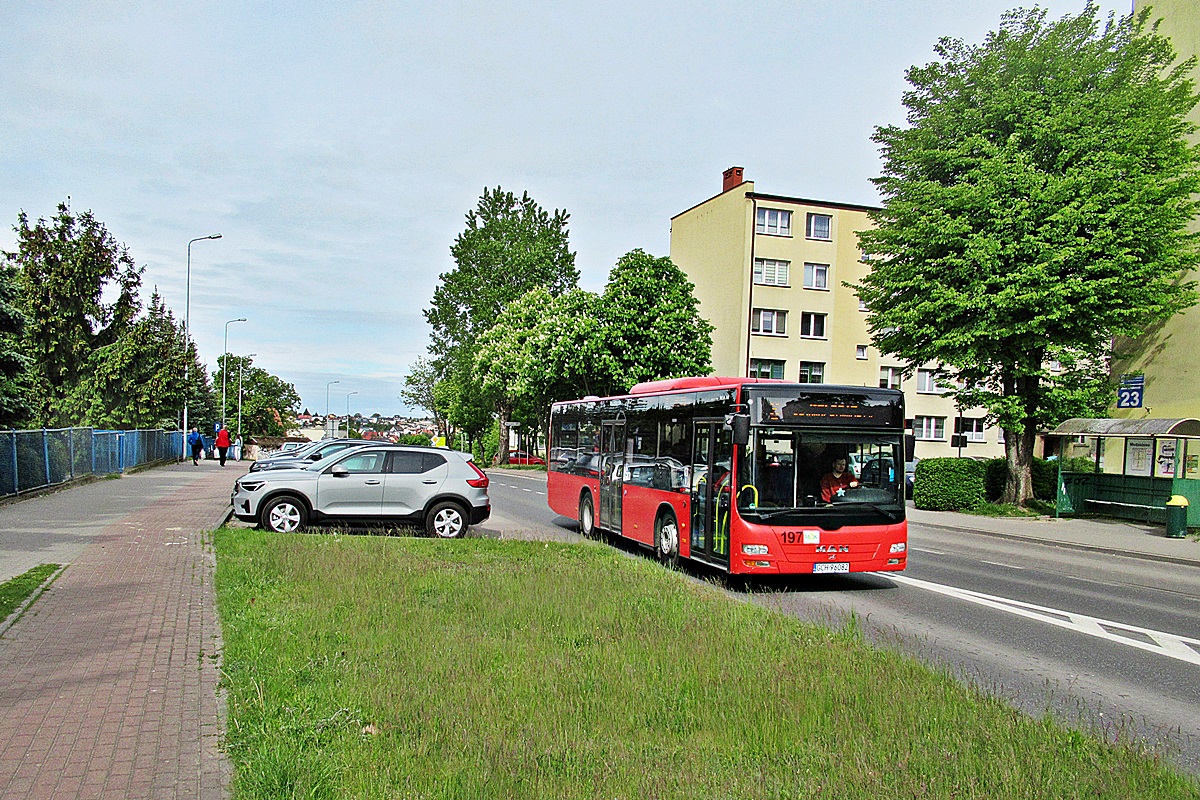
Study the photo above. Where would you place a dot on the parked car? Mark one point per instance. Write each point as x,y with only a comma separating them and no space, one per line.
519,458
441,490
307,454
910,470
288,447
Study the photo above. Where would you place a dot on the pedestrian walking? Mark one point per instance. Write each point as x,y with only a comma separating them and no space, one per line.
223,444
196,442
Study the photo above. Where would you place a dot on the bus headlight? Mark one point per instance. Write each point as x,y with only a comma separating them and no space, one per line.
899,547
754,549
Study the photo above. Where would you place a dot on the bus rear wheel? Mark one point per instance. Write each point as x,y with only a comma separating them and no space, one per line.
666,539
587,516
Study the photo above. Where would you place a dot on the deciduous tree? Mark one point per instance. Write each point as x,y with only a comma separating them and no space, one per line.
1035,206
268,402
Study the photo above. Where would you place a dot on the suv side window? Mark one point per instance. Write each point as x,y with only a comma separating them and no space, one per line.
362,463
414,463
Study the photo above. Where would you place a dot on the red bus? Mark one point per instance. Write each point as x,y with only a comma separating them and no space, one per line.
738,473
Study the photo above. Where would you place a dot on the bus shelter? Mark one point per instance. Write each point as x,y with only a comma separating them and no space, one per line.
1128,468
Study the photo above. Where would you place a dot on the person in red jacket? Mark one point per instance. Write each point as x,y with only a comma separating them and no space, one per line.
835,483
222,443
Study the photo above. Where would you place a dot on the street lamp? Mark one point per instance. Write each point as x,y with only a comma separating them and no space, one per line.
225,366
348,413
187,327
331,383
241,362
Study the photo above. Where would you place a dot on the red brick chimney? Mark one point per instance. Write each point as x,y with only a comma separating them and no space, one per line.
732,177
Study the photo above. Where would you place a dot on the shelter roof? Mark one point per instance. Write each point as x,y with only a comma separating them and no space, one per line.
1128,428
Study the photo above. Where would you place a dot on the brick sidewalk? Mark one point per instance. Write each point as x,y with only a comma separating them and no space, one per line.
108,683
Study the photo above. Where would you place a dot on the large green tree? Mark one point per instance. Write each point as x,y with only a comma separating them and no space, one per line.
138,380
68,268
14,404
1035,206
268,403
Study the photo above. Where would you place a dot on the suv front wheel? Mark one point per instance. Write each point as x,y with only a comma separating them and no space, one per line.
446,520
284,514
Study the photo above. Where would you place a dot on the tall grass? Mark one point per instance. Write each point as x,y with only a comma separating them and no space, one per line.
406,668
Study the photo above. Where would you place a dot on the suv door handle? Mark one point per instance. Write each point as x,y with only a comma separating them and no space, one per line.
429,482
373,482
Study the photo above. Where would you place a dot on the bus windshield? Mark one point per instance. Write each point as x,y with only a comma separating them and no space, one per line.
788,476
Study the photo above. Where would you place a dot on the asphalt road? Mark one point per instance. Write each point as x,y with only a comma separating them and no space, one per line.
1108,643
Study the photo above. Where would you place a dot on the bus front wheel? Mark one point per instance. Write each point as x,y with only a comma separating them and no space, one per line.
666,539
587,516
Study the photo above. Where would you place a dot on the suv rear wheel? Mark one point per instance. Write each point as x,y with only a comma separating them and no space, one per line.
446,520
284,514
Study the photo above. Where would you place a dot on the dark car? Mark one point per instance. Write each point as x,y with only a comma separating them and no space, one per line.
307,454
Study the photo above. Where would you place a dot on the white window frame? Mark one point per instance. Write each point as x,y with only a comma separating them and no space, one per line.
860,352
815,369
778,322
893,377
809,226
862,305
816,276
771,272
773,222
931,381
808,323
977,431
929,429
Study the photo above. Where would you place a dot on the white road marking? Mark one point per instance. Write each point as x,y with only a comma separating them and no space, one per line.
926,550
1163,644
1000,564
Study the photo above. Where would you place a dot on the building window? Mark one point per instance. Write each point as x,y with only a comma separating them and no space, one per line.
816,276
862,305
766,368
818,226
931,381
860,352
768,321
971,427
774,222
812,326
929,428
812,372
889,377
769,272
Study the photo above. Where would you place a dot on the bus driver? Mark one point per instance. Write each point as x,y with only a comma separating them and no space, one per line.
835,483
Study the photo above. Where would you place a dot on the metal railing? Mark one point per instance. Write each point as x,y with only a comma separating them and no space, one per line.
36,459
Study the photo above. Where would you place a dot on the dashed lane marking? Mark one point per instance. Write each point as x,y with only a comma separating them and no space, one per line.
1157,642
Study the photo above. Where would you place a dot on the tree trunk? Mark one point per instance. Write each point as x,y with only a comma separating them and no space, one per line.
502,445
1018,449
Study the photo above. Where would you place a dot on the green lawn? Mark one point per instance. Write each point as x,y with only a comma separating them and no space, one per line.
384,667
14,591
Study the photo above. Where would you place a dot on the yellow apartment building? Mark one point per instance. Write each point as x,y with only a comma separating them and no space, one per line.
1166,353
769,273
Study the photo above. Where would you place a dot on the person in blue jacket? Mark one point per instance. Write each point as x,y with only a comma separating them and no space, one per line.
196,442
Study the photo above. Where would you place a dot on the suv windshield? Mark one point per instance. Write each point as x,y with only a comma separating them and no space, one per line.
792,476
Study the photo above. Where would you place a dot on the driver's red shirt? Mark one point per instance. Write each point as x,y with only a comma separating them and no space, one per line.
831,484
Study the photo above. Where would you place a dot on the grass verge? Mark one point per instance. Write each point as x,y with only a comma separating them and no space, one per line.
376,667
13,592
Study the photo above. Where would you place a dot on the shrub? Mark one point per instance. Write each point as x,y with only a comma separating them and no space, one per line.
948,484
1044,474
1079,464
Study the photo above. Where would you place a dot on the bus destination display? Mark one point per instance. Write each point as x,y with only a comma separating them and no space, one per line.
829,409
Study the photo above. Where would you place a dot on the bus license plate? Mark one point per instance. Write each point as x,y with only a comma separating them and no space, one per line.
839,566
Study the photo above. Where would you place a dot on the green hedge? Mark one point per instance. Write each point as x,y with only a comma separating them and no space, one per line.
1045,478
948,484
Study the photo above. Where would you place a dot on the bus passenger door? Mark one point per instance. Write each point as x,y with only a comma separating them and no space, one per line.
612,474
712,459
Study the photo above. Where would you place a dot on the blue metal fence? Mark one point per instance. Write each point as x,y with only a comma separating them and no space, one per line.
36,459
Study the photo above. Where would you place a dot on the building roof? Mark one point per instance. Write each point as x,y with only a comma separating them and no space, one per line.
1127,428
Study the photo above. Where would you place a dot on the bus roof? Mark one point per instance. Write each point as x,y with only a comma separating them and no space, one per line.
712,382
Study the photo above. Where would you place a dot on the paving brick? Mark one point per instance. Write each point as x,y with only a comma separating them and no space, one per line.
103,688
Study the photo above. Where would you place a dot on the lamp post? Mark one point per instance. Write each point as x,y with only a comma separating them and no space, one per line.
225,366
348,413
187,327
331,383
247,357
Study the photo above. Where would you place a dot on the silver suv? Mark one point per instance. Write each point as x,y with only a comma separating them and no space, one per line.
439,489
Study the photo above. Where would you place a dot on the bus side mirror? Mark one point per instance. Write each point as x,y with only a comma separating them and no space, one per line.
740,425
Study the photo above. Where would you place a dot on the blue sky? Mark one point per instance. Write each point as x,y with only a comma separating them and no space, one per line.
338,147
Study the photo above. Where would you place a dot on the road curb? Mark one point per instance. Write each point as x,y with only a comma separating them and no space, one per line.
34,595
1186,562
